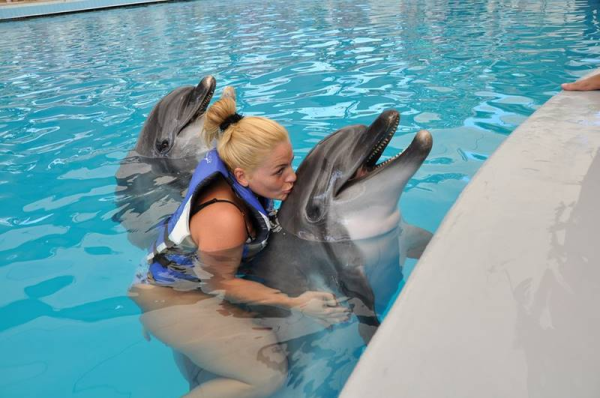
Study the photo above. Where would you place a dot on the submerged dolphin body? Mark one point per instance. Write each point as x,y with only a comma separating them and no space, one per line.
152,178
342,232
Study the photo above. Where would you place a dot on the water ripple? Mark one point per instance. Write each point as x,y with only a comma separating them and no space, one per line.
76,89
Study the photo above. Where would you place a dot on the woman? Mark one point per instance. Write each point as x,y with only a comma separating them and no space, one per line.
190,296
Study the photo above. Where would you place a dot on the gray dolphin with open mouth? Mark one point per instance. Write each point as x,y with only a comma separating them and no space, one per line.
153,176
341,232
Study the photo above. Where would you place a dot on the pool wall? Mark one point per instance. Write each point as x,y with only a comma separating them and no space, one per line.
505,300
40,9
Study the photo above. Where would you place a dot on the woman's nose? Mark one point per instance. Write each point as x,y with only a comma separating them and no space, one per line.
291,177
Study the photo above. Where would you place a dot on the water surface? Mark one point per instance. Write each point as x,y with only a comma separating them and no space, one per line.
76,89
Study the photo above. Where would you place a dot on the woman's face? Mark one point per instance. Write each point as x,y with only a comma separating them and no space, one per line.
274,178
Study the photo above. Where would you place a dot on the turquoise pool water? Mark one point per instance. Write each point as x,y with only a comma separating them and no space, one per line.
75,90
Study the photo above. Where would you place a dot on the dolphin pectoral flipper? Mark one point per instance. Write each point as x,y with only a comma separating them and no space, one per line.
355,285
414,239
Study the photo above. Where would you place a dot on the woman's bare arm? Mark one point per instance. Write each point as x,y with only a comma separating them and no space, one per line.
220,233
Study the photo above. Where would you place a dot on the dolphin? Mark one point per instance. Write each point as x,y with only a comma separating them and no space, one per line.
153,177
171,129
341,231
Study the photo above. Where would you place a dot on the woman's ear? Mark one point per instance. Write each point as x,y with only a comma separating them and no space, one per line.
241,176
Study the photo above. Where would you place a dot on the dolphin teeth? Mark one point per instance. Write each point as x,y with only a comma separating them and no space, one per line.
380,147
207,99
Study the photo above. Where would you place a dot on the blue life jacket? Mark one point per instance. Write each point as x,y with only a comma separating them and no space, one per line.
172,256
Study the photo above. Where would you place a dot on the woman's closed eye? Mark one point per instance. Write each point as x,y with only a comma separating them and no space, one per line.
279,171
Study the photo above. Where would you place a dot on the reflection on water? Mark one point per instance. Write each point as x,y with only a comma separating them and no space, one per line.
77,88
148,190
219,348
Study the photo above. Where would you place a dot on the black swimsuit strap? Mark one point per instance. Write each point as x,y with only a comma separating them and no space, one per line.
215,200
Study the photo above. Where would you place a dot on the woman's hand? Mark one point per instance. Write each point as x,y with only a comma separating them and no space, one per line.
321,306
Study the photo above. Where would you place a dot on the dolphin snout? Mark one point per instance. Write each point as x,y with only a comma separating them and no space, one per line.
423,140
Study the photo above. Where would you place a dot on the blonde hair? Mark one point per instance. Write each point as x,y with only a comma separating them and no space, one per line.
243,144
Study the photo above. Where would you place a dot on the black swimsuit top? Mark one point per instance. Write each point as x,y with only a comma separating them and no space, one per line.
196,209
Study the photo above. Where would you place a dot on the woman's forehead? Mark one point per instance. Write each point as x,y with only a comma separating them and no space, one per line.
282,151
281,154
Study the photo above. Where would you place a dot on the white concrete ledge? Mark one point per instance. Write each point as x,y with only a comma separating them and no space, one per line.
505,302
29,10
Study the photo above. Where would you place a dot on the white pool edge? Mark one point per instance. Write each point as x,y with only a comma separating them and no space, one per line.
17,11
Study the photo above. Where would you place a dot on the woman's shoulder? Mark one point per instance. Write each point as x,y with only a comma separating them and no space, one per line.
220,224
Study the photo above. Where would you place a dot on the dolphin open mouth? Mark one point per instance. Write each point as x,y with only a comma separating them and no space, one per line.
210,85
369,165
204,104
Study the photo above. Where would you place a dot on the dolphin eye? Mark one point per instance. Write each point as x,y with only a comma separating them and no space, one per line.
162,145
314,213
317,209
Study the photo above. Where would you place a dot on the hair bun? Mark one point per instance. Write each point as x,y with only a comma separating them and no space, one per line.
229,120
216,115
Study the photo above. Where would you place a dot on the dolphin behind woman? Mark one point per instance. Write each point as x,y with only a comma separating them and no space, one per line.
153,176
